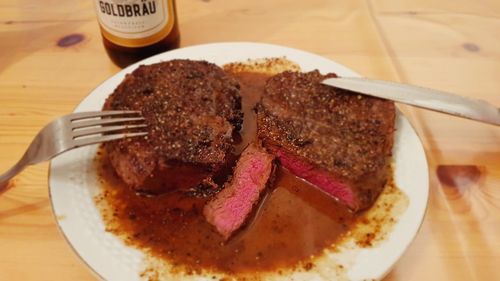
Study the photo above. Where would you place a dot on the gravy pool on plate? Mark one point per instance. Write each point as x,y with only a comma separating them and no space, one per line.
292,227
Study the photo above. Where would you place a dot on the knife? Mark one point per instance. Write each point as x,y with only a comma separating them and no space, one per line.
474,109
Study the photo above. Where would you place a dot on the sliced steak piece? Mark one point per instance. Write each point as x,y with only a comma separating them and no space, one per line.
339,141
231,206
191,109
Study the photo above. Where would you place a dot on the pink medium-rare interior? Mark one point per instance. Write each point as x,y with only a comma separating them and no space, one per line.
234,203
318,177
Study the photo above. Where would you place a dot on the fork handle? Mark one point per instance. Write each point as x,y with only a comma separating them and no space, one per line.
16,169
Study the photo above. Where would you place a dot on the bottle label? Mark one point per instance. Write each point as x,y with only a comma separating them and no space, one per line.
135,23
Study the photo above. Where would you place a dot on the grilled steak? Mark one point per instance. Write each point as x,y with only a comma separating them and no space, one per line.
191,109
337,140
231,207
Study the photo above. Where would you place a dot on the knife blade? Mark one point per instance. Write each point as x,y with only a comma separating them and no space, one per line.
435,100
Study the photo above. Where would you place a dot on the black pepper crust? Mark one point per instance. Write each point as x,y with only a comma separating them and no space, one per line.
347,134
191,109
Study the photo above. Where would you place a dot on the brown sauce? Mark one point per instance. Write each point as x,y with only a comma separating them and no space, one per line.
294,223
252,86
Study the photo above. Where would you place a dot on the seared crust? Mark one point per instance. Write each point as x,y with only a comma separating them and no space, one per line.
191,109
345,133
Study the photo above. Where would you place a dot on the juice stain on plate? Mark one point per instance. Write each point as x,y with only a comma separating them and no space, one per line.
295,226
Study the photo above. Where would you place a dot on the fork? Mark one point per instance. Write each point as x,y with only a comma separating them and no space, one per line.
76,130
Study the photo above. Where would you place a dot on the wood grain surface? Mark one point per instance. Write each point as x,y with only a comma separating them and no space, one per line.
51,57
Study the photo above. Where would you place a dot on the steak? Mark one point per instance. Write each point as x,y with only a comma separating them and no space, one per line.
231,206
337,140
191,109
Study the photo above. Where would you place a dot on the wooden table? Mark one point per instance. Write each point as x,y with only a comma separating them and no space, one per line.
448,45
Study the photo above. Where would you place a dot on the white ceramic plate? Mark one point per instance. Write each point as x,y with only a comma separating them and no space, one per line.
73,182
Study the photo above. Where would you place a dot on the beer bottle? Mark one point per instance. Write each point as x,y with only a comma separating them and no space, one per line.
136,29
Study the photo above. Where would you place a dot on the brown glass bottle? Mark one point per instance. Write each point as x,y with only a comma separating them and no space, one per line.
127,41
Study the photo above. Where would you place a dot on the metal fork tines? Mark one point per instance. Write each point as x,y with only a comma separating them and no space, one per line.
96,127
76,130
